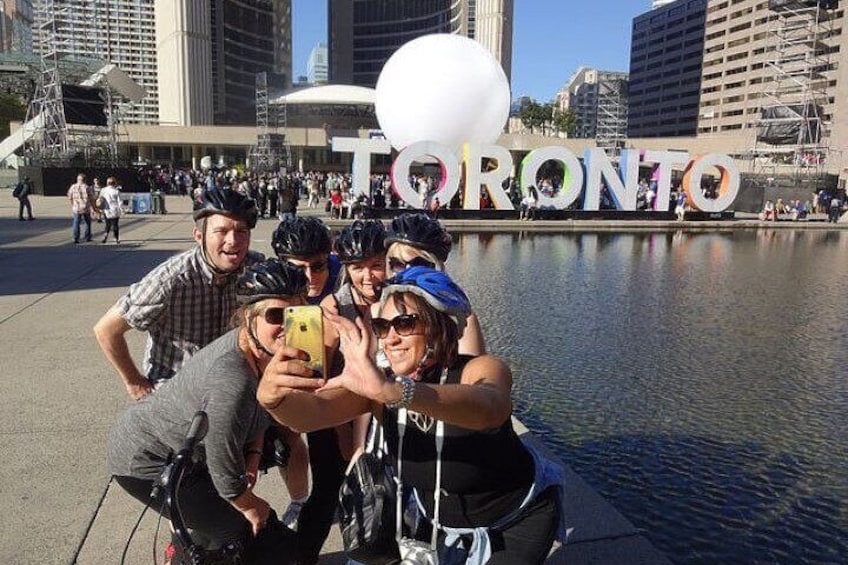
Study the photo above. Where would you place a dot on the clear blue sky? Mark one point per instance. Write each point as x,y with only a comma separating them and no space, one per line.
551,39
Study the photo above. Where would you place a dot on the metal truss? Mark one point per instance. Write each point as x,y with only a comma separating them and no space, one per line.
793,130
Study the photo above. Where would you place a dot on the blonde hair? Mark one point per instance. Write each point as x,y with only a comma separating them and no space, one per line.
396,248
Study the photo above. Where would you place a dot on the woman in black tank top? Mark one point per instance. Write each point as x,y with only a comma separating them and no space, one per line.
486,471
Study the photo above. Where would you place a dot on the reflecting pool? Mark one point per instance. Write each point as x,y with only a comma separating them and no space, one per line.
697,381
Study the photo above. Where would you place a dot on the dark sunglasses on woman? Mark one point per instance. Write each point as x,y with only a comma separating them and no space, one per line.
397,265
404,325
274,316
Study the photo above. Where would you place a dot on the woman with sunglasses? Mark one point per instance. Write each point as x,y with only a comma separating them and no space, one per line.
415,239
216,498
498,499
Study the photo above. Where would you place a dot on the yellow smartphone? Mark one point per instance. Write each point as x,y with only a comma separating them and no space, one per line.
304,327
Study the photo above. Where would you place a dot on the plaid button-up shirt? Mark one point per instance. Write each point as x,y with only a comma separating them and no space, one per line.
81,196
182,308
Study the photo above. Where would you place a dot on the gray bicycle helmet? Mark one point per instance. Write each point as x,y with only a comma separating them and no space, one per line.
301,237
271,278
228,202
421,231
360,240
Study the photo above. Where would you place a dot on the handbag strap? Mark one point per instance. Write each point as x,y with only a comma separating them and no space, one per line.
437,495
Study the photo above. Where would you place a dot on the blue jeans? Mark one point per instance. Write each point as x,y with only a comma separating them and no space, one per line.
76,226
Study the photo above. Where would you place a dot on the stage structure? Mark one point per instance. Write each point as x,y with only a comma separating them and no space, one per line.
76,123
792,142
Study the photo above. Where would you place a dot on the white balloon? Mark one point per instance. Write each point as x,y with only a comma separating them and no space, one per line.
444,88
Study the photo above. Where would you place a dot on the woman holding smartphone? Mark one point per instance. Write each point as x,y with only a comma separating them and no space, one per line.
498,500
216,498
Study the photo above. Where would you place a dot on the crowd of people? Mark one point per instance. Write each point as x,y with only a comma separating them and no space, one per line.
406,355
831,203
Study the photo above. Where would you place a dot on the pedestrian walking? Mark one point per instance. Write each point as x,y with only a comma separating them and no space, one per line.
22,192
81,196
109,203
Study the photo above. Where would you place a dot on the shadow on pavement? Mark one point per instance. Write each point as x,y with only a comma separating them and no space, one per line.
13,230
38,270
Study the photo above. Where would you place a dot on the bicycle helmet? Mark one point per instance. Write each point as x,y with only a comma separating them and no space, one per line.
301,237
271,278
421,231
360,240
228,202
435,287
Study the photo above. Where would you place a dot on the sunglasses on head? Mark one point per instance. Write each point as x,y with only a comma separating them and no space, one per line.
398,265
404,325
315,267
274,316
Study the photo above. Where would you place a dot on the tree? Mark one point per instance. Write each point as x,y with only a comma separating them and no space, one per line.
11,109
564,121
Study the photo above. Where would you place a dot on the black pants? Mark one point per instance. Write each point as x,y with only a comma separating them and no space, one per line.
529,539
24,203
316,517
111,225
214,521
273,199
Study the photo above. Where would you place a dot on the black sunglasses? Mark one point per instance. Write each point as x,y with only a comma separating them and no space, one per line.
396,265
316,267
404,325
274,316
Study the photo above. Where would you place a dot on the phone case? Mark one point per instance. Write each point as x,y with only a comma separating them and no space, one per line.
304,326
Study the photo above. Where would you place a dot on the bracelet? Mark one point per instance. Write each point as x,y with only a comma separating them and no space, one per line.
253,451
406,393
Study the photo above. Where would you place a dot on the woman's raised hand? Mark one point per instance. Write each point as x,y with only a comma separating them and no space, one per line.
361,375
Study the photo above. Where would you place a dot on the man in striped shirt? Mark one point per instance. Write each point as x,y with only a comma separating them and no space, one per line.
186,302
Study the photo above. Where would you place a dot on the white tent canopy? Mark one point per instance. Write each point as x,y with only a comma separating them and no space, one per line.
341,94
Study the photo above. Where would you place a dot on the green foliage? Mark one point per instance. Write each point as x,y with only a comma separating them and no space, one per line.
564,121
11,109
547,118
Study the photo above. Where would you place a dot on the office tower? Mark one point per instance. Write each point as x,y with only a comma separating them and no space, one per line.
665,70
363,34
316,66
763,55
490,23
196,60
16,19
248,37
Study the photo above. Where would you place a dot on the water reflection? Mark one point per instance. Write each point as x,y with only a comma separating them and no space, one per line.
697,380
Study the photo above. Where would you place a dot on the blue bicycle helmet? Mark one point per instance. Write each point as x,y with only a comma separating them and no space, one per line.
435,287
228,202
421,231
271,278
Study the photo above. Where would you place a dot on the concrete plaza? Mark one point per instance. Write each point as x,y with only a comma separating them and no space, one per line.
59,398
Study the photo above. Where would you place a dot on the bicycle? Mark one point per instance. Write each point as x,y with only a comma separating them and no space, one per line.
273,544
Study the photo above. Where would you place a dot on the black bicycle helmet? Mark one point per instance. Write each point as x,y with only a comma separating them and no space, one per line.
271,278
360,240
421,231
301,237
228,202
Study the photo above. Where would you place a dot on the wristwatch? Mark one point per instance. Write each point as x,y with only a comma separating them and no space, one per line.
407,391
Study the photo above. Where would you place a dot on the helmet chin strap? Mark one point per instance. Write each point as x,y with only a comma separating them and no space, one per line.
255,340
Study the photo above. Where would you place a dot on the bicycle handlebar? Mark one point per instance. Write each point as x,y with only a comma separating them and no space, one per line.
196,432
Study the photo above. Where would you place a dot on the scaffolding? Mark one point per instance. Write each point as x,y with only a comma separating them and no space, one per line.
611,121
63,34
272,151
793,129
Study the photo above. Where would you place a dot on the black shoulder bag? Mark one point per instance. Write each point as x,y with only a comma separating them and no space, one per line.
367,501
